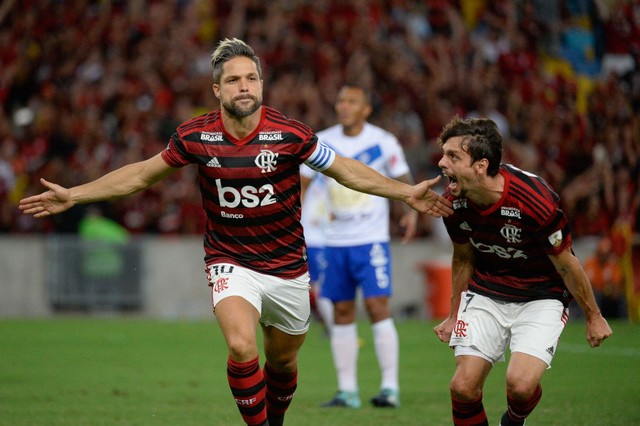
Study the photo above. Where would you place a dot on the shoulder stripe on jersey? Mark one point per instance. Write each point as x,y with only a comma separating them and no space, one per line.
545,205
534,192
197,122
179,145
275,116
533,180
534,204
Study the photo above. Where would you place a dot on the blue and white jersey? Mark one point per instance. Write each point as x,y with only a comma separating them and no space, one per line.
314,208
356,218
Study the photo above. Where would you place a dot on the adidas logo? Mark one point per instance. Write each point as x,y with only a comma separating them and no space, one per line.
550,350
214,162
465,226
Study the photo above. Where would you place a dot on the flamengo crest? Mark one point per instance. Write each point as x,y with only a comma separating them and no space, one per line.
266,160
511,233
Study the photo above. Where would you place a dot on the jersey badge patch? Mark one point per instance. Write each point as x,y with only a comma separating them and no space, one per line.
556,238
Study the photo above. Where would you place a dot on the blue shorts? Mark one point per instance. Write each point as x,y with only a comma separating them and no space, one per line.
315,258
347,268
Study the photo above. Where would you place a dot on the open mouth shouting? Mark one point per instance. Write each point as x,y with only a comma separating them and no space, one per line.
453,182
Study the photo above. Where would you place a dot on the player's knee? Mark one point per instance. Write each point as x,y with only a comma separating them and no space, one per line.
283,359
379,314
344,314
283,365
241,348
464,390
377,308
520,389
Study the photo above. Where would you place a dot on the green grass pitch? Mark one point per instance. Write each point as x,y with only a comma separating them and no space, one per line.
124,371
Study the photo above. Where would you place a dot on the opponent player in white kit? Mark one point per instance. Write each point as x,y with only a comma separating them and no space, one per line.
314,219
357,249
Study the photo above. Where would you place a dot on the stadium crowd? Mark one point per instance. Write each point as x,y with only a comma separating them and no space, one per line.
87,86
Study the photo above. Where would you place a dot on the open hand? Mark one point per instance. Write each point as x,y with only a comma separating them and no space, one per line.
426,200
56,200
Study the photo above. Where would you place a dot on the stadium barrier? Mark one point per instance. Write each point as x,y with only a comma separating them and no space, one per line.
163,277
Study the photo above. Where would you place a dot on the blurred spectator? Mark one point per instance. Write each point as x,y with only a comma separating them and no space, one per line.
621,36
102,260
578,46
488,108
604,272
8,181
90,85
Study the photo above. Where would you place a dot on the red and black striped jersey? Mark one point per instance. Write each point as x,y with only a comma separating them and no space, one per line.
512,239
250,189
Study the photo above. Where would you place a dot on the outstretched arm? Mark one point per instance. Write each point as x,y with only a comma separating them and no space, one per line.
116,184
357,176
409,219
578,284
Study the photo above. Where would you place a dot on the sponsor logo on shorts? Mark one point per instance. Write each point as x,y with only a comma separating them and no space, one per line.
220,284
460,329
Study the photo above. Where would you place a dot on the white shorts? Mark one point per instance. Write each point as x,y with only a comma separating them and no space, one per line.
485,327
283,304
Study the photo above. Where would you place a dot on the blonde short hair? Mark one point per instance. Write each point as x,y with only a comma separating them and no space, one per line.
230,48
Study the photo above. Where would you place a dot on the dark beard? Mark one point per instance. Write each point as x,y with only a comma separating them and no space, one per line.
241,113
